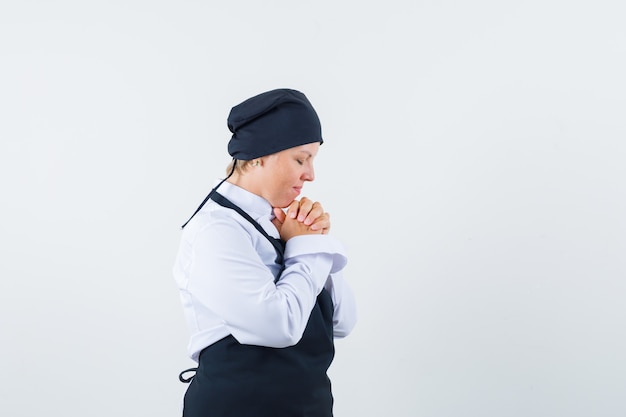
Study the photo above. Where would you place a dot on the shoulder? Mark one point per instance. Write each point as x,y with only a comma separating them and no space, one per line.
216,222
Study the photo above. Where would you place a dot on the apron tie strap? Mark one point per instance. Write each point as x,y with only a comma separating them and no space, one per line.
181,376
211,193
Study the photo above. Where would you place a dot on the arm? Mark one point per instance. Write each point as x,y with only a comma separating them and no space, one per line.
311,214
229,277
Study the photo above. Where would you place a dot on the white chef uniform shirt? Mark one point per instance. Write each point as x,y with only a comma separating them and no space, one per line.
225,272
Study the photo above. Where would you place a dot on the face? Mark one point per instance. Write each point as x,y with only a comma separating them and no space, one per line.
283,174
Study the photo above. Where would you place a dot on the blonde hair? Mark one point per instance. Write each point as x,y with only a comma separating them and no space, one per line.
240,166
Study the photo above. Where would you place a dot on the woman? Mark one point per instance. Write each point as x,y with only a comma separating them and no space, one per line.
261,288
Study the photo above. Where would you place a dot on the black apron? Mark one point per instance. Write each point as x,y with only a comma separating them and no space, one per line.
239,380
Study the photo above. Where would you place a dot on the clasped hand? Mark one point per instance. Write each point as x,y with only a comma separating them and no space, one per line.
303,217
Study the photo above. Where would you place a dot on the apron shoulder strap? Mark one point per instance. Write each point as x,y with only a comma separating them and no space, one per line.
278,244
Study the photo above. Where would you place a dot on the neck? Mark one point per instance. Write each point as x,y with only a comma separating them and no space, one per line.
244,181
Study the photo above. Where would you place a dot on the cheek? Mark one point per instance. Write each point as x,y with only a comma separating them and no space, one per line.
286,176
280,186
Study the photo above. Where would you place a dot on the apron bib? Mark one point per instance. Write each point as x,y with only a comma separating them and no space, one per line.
239,380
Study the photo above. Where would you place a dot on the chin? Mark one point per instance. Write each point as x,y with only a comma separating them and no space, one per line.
283,203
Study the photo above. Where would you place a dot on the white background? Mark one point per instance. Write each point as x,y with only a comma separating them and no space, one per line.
473,166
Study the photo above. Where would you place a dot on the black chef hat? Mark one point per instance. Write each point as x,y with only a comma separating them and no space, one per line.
271,122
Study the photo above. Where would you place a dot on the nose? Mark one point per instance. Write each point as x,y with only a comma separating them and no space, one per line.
309,173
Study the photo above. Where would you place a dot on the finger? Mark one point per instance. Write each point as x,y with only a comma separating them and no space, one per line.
321,222
305,207
279,214
292,210
277,224
315,212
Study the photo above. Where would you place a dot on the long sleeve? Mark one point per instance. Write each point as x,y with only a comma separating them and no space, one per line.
228,277
225,270
345,312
